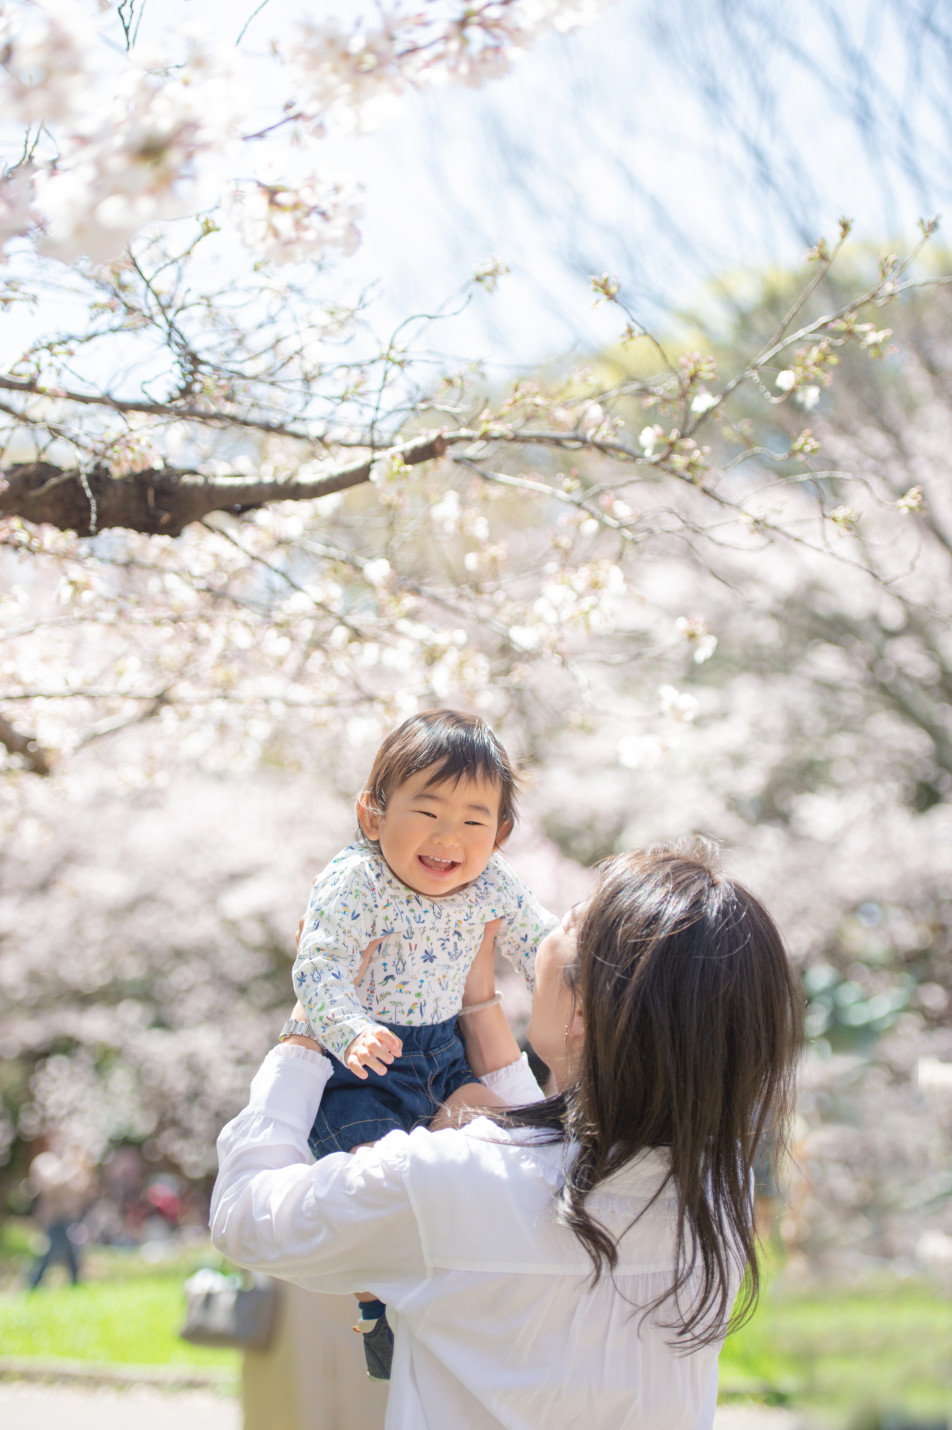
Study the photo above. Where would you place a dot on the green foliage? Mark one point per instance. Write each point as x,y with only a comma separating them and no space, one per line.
16,1241
845,1013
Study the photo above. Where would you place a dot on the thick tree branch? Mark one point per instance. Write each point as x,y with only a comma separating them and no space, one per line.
27,748
163,501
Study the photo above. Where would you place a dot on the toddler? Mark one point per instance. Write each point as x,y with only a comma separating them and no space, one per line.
394,923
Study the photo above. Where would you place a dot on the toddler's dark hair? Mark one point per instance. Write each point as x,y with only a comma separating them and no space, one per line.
458,746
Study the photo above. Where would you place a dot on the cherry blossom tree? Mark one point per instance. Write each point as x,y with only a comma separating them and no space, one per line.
238,510
702,584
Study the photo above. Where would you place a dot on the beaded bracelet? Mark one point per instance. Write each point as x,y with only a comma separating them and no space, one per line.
478,1007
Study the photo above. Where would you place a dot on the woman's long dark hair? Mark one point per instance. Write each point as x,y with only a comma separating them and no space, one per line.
692,1018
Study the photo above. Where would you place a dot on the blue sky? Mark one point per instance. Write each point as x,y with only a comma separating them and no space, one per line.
668,143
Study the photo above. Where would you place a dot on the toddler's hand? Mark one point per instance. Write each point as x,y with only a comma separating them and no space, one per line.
374,1048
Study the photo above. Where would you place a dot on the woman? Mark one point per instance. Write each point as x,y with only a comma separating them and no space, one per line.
573,1261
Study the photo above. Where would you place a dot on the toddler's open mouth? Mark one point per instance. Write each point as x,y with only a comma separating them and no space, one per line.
438,866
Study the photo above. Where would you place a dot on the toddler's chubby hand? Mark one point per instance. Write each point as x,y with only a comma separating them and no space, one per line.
374,1048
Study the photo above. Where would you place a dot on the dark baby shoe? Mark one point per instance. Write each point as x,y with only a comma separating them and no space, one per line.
378,1339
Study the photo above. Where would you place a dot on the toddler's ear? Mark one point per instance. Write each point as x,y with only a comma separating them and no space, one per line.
368,817
503,833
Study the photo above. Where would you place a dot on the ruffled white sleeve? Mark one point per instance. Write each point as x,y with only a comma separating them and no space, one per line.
344,1223
515,1083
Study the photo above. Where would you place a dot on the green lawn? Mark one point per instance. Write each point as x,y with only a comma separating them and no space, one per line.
126,1312
884,1344
132,1321
881,1345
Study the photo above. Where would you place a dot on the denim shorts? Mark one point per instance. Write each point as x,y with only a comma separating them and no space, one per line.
355,1110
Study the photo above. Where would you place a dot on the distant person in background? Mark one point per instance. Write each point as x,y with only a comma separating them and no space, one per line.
62,1186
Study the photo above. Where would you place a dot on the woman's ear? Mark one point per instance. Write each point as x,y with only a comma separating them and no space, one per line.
503,833
368,817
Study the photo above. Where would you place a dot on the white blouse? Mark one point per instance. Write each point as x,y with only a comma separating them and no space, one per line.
494,1323
424,946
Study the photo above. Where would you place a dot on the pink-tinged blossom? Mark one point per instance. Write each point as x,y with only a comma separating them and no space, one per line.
291,225
50,65
377,572
562,15
808,396
333,71
649,438
591,418
934,1075
525,638
130,143
694,630
677,704
132,162
910,501
639,752
357,75
17,215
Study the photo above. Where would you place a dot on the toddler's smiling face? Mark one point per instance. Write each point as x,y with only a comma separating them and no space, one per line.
436,837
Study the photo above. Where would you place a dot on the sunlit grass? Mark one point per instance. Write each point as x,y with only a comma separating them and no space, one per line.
881,1345
132,1321
125,1312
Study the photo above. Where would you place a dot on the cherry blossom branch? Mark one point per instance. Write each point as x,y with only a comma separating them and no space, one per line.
287,580
542,488
883,291
164,696
156,409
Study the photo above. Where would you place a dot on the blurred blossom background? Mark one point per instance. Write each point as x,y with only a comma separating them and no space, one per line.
584,365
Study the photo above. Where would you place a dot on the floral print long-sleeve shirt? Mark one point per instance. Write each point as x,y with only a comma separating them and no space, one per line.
416,973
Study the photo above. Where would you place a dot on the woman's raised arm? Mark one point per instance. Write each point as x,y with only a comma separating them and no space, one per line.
489,1040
